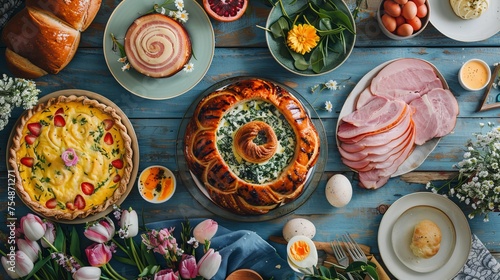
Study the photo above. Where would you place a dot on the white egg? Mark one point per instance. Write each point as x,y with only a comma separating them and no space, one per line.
302,252
338,190
298,226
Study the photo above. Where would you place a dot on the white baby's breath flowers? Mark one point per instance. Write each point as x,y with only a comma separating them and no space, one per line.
331,85
189,67
15,92
182,16
328,106
179,4
478,181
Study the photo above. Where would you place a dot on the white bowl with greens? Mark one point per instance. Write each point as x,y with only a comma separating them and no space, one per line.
334,25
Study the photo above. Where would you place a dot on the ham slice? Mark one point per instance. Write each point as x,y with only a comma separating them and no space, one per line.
404,106
435,114
405,79
370,120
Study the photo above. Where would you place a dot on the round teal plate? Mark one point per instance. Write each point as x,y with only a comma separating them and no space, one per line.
202,37
280,52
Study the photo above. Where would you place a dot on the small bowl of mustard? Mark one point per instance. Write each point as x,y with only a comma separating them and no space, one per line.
156,184
474,75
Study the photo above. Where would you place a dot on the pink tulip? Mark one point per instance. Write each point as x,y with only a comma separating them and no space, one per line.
50,234
30,248
10,267
188,267
209,264
129,223
20,266
33,227
87,273
101,231
98,254
166,274
205,230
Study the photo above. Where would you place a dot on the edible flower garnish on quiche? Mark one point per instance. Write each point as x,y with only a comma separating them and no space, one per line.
69,157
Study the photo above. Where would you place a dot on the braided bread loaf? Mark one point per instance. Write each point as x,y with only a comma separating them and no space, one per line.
252,145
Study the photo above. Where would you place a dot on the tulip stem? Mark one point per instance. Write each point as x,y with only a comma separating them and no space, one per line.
111,272
50,244
136,256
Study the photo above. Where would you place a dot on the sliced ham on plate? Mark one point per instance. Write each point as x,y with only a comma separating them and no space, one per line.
405,79
405,105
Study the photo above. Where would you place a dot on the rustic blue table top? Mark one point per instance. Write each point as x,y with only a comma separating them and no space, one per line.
241,50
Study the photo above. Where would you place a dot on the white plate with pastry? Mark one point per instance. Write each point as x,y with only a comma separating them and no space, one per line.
202,37
444,19
398,224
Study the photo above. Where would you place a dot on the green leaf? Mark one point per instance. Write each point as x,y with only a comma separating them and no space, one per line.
280,27
372,271
318,58
124,260
325,272
60,239
74,246
340,18
149,257
38,265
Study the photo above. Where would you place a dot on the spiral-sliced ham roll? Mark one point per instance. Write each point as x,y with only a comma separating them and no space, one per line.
157,45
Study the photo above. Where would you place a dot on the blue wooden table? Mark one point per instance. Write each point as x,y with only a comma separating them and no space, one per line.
241,50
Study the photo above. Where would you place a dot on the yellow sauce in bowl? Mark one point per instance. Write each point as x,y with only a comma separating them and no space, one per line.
474,74
157,184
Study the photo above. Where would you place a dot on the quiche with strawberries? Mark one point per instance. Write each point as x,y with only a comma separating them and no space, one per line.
72,157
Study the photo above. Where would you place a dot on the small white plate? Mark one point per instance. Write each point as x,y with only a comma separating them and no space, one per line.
463,241
402,233
466,30
167,174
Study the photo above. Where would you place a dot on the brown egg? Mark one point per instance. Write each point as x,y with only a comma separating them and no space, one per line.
418,2
404,30
392,8
409,10
421,11
415,22
389,22
400,20
401,2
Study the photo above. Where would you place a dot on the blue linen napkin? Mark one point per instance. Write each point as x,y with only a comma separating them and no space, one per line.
480,265
7,8
239,249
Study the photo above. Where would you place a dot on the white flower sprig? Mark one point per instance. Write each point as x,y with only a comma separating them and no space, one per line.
478,181
15,92
179,13
330,85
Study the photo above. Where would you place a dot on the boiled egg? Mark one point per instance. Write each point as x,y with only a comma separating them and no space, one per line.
302,252
338,190
298,226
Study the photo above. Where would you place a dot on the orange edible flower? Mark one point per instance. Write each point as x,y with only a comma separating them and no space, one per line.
302,38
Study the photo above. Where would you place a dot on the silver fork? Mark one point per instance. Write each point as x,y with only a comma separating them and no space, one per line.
353,248
341,256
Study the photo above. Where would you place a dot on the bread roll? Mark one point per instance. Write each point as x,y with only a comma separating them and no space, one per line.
78,14
426,239
44,36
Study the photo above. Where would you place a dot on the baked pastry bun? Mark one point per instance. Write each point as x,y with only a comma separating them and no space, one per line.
426,239
43,37
71,156
252,146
